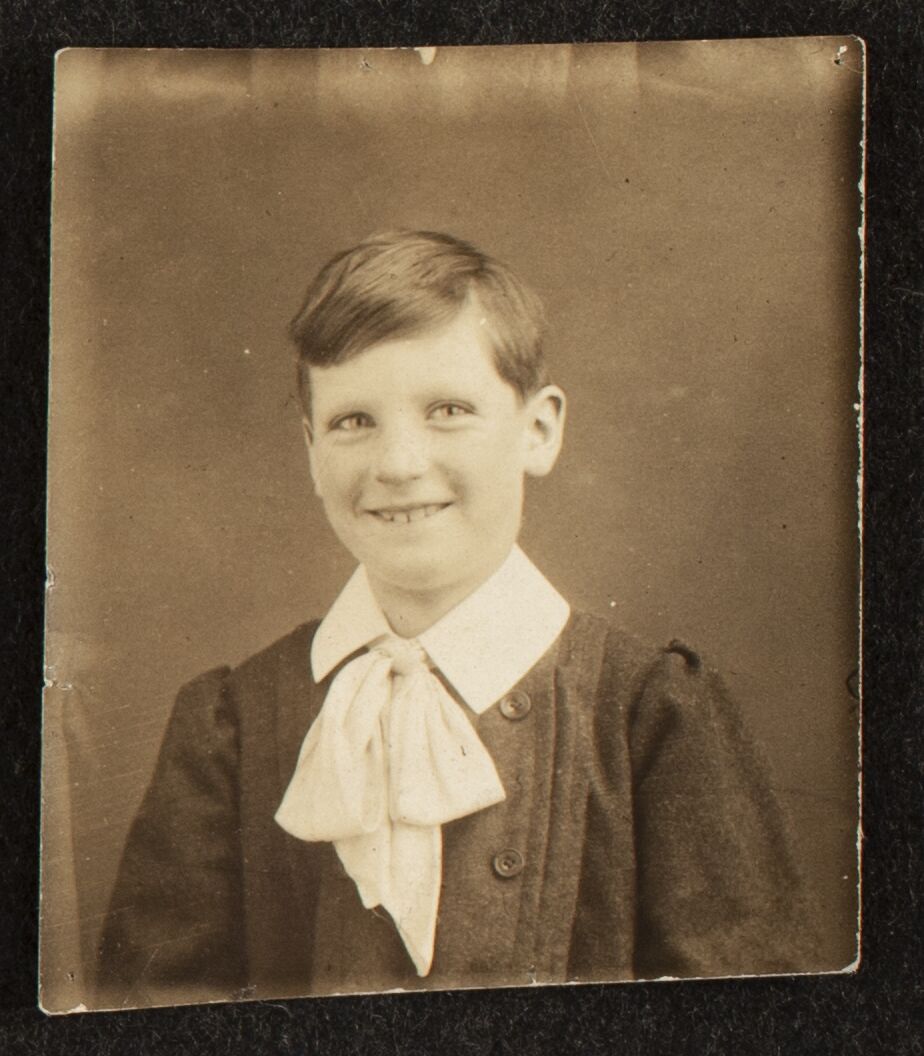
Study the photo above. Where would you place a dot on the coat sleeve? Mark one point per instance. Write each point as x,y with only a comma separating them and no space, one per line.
174,927
718,890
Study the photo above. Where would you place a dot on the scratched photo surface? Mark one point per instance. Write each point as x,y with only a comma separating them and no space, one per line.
688,213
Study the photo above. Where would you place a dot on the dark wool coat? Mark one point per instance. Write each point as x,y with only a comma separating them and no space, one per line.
639,838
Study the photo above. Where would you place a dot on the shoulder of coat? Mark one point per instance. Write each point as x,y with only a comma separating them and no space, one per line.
293,647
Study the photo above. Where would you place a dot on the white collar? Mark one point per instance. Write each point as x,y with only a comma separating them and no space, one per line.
483,646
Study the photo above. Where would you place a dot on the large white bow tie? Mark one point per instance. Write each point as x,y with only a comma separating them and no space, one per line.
390,758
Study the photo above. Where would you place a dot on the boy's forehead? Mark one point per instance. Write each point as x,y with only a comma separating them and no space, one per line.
462,346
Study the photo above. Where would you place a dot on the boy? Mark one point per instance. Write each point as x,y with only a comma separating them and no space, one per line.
452,779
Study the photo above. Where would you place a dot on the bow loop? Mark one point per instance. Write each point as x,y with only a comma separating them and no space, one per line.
439,769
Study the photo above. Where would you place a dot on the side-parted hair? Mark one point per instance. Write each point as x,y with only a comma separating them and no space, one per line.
400,283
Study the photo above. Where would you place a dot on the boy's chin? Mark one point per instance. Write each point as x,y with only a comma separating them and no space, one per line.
419,577
438,574
431,579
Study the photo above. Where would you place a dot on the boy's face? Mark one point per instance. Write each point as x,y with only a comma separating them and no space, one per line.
418,450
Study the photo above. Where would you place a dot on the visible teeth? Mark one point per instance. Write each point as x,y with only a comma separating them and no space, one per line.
417,513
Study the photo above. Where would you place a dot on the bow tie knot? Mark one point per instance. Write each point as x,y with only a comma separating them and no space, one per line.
406,655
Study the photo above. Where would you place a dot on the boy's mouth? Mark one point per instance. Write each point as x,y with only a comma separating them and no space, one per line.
408,514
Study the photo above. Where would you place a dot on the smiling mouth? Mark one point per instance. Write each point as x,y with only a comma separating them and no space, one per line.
408,514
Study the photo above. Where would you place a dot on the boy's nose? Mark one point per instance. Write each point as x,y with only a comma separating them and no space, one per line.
402,456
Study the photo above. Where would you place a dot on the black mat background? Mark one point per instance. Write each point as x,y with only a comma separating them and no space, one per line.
880,1010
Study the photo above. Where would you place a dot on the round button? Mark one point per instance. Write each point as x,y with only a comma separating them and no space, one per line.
515,705
508,863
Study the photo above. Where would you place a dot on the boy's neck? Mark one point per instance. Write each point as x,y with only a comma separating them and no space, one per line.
410,613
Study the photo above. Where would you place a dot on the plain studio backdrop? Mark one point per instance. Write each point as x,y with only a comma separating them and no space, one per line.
689,214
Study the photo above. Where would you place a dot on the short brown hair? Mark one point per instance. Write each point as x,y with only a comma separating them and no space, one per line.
399,283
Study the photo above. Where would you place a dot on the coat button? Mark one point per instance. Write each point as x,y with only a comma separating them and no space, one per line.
508,863
515,705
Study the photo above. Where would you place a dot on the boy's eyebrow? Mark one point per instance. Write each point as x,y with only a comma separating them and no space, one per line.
456,391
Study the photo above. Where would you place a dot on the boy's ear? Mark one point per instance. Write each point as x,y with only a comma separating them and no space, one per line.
312,455
545,427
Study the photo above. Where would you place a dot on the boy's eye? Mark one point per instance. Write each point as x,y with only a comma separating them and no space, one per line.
450,410
351,423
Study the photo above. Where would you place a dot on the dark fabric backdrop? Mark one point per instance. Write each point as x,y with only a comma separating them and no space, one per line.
875,1011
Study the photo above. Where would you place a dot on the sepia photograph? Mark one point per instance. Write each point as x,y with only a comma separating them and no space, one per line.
453,533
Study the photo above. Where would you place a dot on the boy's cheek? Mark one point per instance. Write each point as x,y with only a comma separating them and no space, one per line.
335,478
